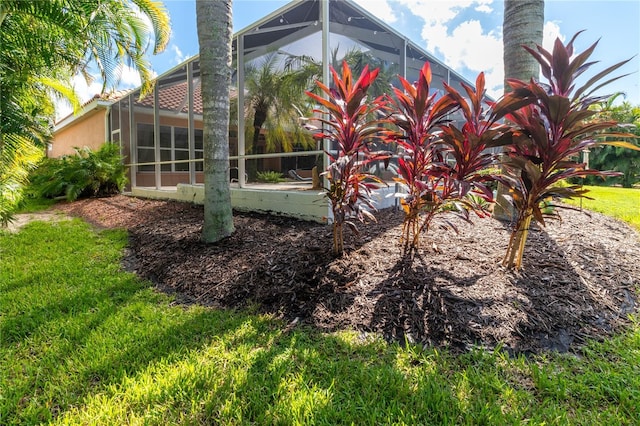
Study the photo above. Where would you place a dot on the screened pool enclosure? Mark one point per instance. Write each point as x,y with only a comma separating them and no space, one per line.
161,135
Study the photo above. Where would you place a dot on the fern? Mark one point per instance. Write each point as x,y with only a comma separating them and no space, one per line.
84,174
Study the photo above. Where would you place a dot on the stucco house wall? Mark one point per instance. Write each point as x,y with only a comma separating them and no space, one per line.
88,128
89,131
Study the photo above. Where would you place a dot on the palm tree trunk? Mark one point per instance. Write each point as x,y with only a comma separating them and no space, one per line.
523,24
252,166
214,35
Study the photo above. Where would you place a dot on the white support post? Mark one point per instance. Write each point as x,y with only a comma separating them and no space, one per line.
191,131
156,136
326,59
133,143
240,138
403,59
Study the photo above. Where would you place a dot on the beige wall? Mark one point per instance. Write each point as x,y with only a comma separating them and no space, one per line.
87,130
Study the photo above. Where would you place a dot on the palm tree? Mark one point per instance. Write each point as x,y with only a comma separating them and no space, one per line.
45,43
71,35
214,36
523,25
307,69
274,102
275,98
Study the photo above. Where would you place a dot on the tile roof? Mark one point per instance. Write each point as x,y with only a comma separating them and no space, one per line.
107,96
174,98
98,100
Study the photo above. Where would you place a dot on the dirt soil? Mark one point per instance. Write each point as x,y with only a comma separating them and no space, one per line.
580,277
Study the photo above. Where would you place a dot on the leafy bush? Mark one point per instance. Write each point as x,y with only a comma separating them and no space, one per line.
418,115
615,158
18,156
554,127
87,173
270,177
433,184
350,128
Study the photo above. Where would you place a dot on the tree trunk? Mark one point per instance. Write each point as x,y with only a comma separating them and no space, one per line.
260,116
215,35
523,24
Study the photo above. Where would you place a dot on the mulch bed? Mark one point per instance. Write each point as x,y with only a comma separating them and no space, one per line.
579,280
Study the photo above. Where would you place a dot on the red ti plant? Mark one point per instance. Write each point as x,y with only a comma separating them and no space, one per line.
468,146
555,127
434,183
418,115
350,127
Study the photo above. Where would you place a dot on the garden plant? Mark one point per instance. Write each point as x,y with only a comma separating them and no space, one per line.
87,173
351,126
443,168
553,129
417,115
432,182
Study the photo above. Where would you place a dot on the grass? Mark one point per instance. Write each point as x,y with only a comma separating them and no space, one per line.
82,342
621,203
33,204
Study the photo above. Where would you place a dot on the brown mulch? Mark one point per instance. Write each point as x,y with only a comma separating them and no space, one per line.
579,279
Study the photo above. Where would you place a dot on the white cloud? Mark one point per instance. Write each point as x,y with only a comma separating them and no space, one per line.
129,77
379,8
484,8
441,12
84,90
550,32
464,44
178,56
468,45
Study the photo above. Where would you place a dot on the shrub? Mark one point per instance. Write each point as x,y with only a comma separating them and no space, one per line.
433,184
270,177
554,127
418,115
18,156
350,127
87,173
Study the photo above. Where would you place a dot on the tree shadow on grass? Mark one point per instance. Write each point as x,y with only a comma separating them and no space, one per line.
266,374
92,346
87,330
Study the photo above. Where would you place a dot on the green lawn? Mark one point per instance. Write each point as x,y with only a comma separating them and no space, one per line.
82,342
31,205
621,203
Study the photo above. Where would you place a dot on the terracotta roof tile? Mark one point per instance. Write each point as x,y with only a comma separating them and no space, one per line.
174,98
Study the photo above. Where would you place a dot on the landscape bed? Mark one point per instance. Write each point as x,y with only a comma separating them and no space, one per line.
579,278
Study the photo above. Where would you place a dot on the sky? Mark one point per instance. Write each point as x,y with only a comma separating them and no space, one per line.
464,34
